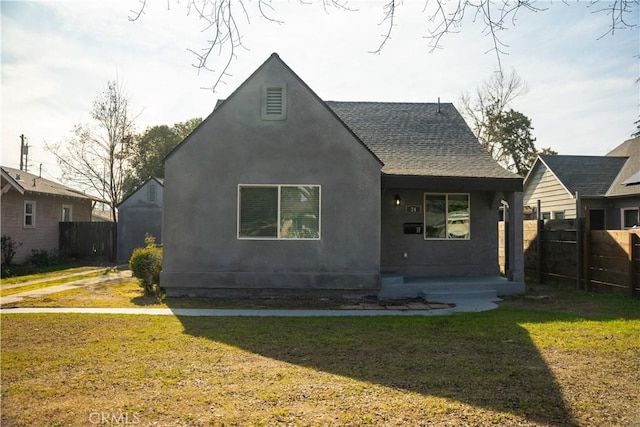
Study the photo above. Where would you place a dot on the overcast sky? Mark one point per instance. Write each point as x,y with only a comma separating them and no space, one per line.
58,55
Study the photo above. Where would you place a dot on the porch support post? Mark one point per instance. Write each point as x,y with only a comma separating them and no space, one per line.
515,273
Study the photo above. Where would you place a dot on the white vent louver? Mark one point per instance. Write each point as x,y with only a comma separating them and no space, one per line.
274,102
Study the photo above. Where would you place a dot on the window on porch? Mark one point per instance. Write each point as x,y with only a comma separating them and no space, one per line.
446,216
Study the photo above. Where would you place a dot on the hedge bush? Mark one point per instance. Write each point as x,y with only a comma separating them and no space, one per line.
146,264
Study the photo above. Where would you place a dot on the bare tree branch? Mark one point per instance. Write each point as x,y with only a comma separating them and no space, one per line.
444,17
95,157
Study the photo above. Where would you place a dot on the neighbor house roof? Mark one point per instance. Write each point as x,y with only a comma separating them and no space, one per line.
419,139
25,182
590,176
628,180
153,178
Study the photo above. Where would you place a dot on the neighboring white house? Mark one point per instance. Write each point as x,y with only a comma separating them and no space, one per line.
608,187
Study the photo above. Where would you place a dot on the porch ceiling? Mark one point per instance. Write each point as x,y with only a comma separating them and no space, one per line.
451,183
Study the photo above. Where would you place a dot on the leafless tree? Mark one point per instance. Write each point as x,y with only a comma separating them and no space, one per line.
95,156
221,21
490,98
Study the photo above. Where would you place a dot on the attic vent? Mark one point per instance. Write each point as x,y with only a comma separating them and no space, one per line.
274,102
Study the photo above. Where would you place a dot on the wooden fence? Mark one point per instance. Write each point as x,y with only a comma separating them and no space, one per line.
562,251
88,240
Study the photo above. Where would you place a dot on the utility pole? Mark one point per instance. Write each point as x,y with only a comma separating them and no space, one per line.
24,154
21,151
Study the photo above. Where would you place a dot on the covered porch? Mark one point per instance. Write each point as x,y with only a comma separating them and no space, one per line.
439,237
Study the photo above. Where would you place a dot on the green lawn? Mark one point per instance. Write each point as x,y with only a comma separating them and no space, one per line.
566,359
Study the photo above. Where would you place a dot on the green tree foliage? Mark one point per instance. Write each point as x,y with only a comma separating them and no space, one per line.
517,150
636,133
149,149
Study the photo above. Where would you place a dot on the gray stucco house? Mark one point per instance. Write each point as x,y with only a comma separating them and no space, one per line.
140,214
279,192
608,187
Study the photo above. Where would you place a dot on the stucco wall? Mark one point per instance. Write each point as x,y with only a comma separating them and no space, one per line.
411,255
202,253
45,234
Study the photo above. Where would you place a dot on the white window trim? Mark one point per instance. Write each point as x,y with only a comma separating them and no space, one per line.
279,186
622,211
424,218
33,214
70,207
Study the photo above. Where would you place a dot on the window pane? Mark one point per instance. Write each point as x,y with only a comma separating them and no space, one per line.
258,212
630,218
300,212
28,208
434,216
458,216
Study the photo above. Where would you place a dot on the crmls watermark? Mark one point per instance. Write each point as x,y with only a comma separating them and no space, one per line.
114,418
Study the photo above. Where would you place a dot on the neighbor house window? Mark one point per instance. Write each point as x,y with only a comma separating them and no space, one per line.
546,215
279,212
274,102
446,216
152,192
629,218
29,214
67,212
558,214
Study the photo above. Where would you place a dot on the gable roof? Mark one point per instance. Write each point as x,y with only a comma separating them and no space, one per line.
628,180
25,182
273,58
590,176
420,139
153,178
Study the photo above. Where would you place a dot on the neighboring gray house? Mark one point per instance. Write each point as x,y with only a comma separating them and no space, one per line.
608,187
280,192
140,214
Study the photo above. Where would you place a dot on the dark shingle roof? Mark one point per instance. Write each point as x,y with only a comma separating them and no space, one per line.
419,139
630,149
588,175
31,183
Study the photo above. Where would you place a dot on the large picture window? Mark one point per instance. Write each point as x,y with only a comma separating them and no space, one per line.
446,216
279,212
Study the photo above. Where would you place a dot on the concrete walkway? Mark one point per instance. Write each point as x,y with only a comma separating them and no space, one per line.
460,306
105,279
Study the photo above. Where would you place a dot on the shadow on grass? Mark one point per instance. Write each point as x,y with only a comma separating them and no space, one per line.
486,359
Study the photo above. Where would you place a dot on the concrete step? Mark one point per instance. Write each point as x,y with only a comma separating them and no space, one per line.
391,280
396,286
459,294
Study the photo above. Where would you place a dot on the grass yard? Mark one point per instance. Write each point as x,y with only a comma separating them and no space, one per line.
553,358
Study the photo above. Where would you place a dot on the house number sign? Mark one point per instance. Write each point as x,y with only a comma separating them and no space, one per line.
414,209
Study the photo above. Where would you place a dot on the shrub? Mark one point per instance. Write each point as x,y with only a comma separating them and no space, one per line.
146,264
43,258
9,250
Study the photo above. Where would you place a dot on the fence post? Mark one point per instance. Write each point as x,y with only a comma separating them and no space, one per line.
539,227
632,254
579,229
587,250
